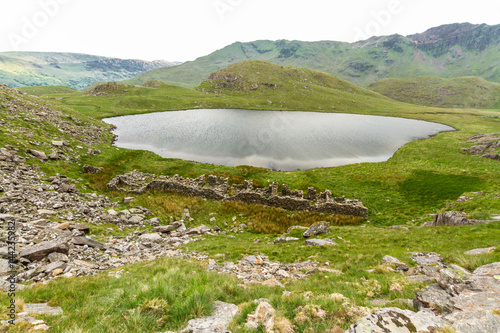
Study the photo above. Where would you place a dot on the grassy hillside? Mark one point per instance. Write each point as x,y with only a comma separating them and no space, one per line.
422,178
460,92
471,52
69,69
250,84
48,90
291,88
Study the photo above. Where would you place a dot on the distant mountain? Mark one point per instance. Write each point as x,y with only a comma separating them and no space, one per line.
459,92
447,51
69,69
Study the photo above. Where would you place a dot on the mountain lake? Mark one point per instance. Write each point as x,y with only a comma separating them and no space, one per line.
279,140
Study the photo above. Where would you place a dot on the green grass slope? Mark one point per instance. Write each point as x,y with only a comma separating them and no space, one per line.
423,177
69,69
47,90
472,50
460,92
291,88
250,84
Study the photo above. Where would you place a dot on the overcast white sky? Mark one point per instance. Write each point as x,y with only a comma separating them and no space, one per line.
186,29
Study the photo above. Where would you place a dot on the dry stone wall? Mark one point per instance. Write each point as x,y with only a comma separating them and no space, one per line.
215,188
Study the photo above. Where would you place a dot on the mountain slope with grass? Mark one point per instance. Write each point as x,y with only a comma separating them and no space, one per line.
459,92
147,280
445,51
68,69
251,84
291,88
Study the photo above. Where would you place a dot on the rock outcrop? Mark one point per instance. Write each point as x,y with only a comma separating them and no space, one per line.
485,145
463,301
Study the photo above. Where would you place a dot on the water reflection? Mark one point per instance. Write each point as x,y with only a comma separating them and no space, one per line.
279,140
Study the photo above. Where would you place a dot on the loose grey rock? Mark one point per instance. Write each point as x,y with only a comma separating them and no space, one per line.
426,258
316,229
81,240
55,265
388,260
201,230
164,228
37,154
136,219
56,256
481,251
42,308
81,227
395,320
216,323
154,221
320,242
153,237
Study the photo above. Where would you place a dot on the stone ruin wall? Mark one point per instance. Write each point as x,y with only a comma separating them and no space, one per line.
214,188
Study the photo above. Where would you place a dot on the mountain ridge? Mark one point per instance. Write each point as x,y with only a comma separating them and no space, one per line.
472,50
76,70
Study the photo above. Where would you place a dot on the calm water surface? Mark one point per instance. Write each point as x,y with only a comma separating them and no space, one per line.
279,140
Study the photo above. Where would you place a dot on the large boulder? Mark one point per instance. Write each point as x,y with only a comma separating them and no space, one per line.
43,249
451,218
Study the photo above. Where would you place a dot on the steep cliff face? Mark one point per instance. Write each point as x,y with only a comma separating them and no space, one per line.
69,69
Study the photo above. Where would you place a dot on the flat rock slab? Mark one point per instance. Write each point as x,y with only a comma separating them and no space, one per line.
320,242
474,322
484,291
87,241
218,322
395,320
42,308
43,249
164,228
481,251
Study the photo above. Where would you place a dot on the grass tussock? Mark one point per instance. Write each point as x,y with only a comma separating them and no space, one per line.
272,220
